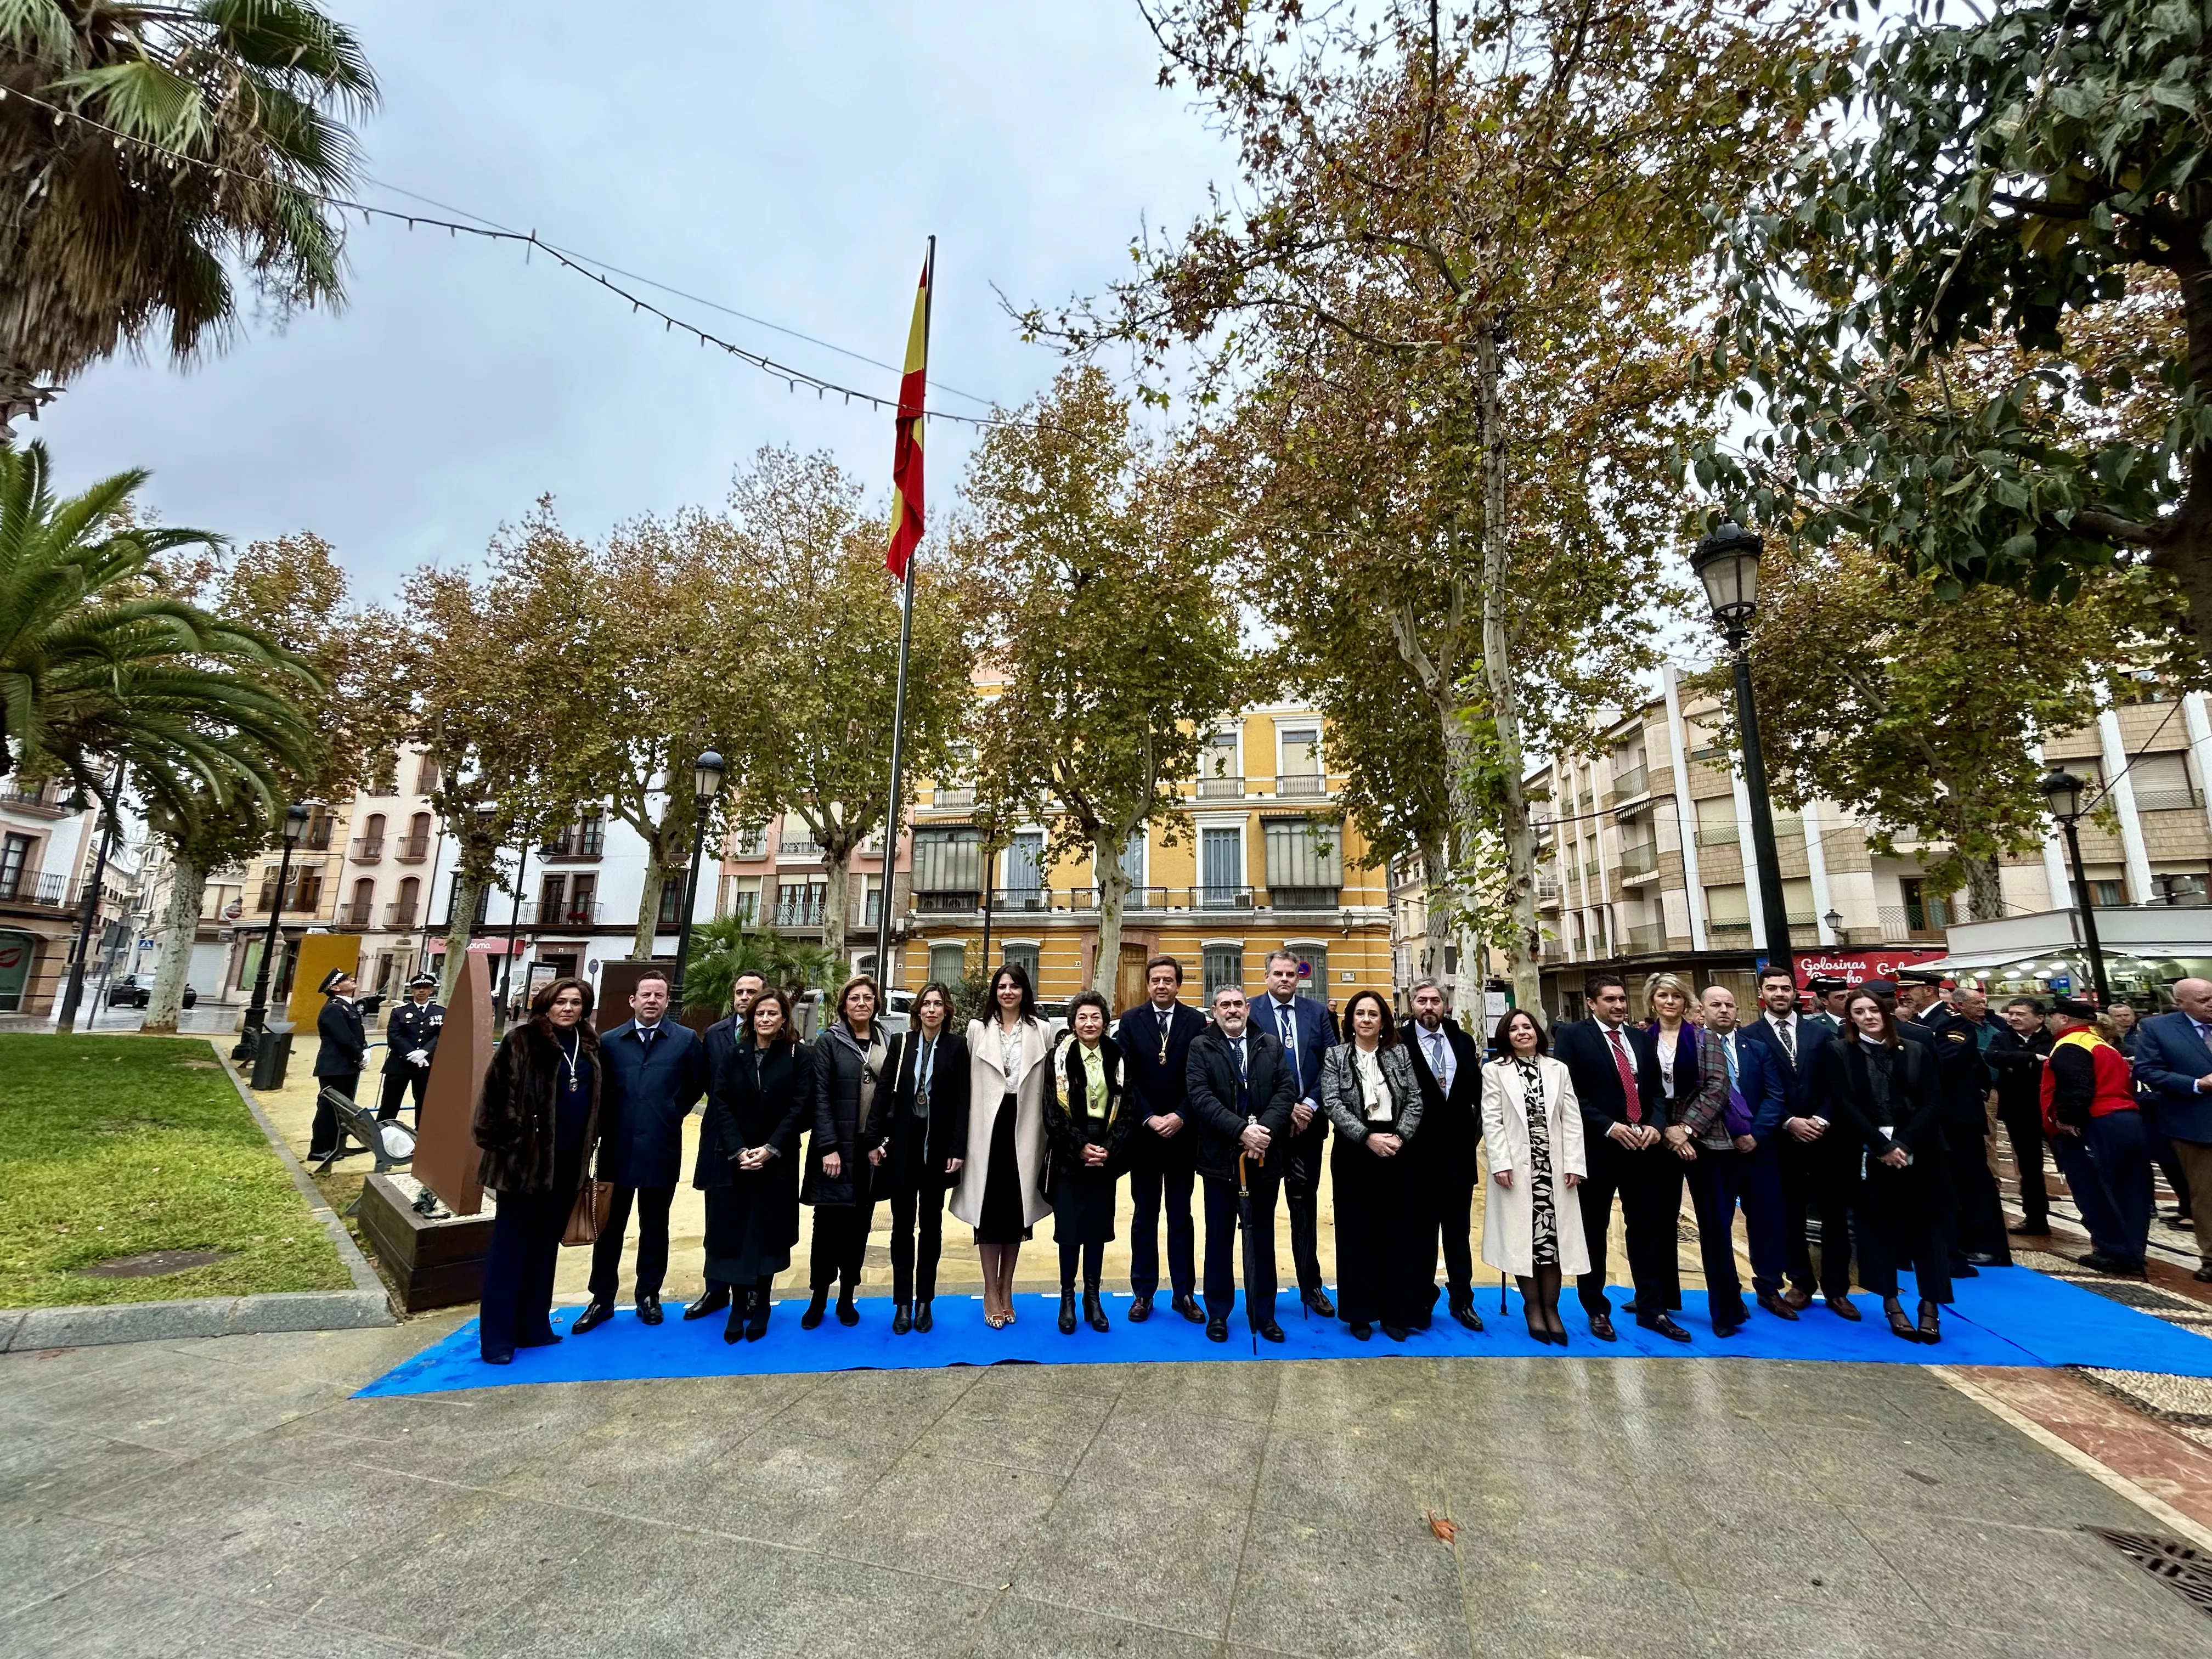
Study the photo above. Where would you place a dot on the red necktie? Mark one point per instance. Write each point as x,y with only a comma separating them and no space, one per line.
1627,1077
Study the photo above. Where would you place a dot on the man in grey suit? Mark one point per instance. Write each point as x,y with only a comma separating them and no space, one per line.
2173,1077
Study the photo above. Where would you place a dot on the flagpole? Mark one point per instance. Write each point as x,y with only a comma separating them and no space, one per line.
898,704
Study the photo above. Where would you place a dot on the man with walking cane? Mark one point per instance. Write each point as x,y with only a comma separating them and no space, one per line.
1242,1096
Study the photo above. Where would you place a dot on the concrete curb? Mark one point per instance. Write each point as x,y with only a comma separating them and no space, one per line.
369,1303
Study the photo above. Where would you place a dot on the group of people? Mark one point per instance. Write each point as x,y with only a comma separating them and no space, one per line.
1852,1138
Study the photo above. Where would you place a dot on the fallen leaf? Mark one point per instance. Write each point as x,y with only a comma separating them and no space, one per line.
1443,1526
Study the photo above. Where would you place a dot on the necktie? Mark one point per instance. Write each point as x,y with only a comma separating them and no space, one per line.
1627,1076
1243,1079
1439,1060
1289,1028
1728,1048
1789,1039
645,1036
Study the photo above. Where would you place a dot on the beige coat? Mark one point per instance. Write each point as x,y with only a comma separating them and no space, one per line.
1508,1213
987,1085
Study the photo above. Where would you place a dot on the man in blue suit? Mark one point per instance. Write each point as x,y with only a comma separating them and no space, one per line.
1306,1029
655,1071
1813,1169
1738,1160
1155,1040
2174,1077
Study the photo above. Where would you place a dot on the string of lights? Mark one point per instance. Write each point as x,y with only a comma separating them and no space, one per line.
792,377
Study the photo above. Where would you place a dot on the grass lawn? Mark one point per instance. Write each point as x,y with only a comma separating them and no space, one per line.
113,1145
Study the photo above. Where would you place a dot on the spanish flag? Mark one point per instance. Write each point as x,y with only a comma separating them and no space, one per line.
906,450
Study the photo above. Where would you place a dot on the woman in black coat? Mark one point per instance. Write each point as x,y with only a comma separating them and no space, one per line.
923,1136
748,1166
849,1068
537,1121
1384,1272
1883,1095
1086,1125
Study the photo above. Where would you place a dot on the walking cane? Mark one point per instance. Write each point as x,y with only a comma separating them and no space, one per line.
1244,1222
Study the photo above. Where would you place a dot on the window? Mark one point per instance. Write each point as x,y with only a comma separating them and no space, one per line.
1925,911
1729,909
411,900
1798,902
426,775
1716,825
798,903
1221,868
671,913
1133,861
1024,957
2108,894
1298,771
1025,863
750,843
416,847
552,895
592,836
948,869
2161,782
741,899
872,902
1216,766
1223,964
307,891
363,908
321,822
1305,862
1314,956
15,855
948,963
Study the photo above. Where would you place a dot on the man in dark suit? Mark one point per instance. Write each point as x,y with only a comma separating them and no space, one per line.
718,1053
410,1037
1736,1163
1307,1030
1817,1172
1155,1039
1240,1093
1616,1075
338,1057
2173,1077
1449,1068
655,1070
1957,1042
2015,1057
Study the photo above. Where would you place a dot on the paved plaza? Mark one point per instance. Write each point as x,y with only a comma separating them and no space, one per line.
227,1497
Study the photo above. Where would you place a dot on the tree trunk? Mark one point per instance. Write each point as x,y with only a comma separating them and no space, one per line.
836,901
648,907
1113,884
1523,942
1984,888
1437,916
180,927
468,890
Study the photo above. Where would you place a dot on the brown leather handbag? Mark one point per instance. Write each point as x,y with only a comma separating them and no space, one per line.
587,1216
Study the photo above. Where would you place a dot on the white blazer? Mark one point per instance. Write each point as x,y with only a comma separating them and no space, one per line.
988,1088
1509,1214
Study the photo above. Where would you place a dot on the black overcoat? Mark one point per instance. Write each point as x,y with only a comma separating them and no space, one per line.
906,1164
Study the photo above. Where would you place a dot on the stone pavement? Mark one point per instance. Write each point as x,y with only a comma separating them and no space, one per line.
225,1496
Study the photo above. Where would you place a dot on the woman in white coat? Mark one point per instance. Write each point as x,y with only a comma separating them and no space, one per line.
1532,1129
1000,1192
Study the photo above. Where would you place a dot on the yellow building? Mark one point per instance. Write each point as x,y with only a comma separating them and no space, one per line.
1256,855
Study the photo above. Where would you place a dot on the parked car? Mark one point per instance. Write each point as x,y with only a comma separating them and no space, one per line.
128,993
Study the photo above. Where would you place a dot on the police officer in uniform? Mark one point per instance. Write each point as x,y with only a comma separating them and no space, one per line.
1967,1089
338,1058
411,1033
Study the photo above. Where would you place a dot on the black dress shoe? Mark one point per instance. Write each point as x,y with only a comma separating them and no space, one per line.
847,1315
902,1321
1396,1333
812,1317
1775,1305
499,1357
1188,1307
1362,1332
922,1321
596,1315
649,1310
1319,1302
1601,1327
1094,1312
1965,1270
1464,1312
1726,1327
1270,1332
1140,1307
734,1329
1842,1308
2098,1261
1217,1330
1665,1327
1629,1306
1067,1313
1989,1259
545,1341
2030,1230
716,1299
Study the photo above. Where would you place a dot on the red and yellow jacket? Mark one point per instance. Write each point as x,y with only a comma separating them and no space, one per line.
2086,1077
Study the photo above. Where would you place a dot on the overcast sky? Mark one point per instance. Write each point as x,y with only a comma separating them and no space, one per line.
786,161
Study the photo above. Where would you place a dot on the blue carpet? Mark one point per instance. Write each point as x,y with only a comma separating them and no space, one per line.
2006,1317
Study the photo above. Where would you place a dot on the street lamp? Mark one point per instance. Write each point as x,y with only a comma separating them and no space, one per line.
1726,562
705,784
256,1010
2063,791
1833,922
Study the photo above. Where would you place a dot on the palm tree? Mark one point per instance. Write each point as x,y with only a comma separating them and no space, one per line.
98,665
106,236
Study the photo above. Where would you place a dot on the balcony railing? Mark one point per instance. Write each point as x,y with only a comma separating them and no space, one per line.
1021,898
1639,860
1222,898
1301,786
411,849
367,849
1720,835
2167,801
398,914
1730,932
952,902
1646,940
318,838
1141,900
1304,898
962,795
29,887
1221,788
47,798
798,847
1899,922
354,918
1788,825
1626,785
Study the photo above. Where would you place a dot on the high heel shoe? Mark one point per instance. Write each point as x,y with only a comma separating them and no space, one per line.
1094,1313
1899,1324
1067,1313
1932,1327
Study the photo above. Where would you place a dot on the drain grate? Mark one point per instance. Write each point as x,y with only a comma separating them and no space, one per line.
2176,1566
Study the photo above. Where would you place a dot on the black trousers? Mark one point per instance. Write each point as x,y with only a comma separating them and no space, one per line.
1450,1198
1819,1178
2025,1131
1223,1246
323,1139
1903,1219
1978,1211
397,1083
526,1246
653,1204
917,1239
1089,1255
1650,1184
840,1240
1302,1197
1148,1190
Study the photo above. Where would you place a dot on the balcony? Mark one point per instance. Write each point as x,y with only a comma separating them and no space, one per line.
799,846
354,918
318,838
1641,860
567,913
1222,898
1221,789
2168,800
1917,922
29,887
367,849
964,797
1789,826
1648,939
398,914
1304,898
1720,835
1727,934
580,843
46,797
1627,785
411,849
1296,787
952,902
1021,898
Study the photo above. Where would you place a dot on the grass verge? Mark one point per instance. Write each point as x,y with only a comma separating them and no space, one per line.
111,1146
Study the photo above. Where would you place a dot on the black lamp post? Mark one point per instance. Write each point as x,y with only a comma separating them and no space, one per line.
2064,790
1726,562
705,784
89,916
256,1010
